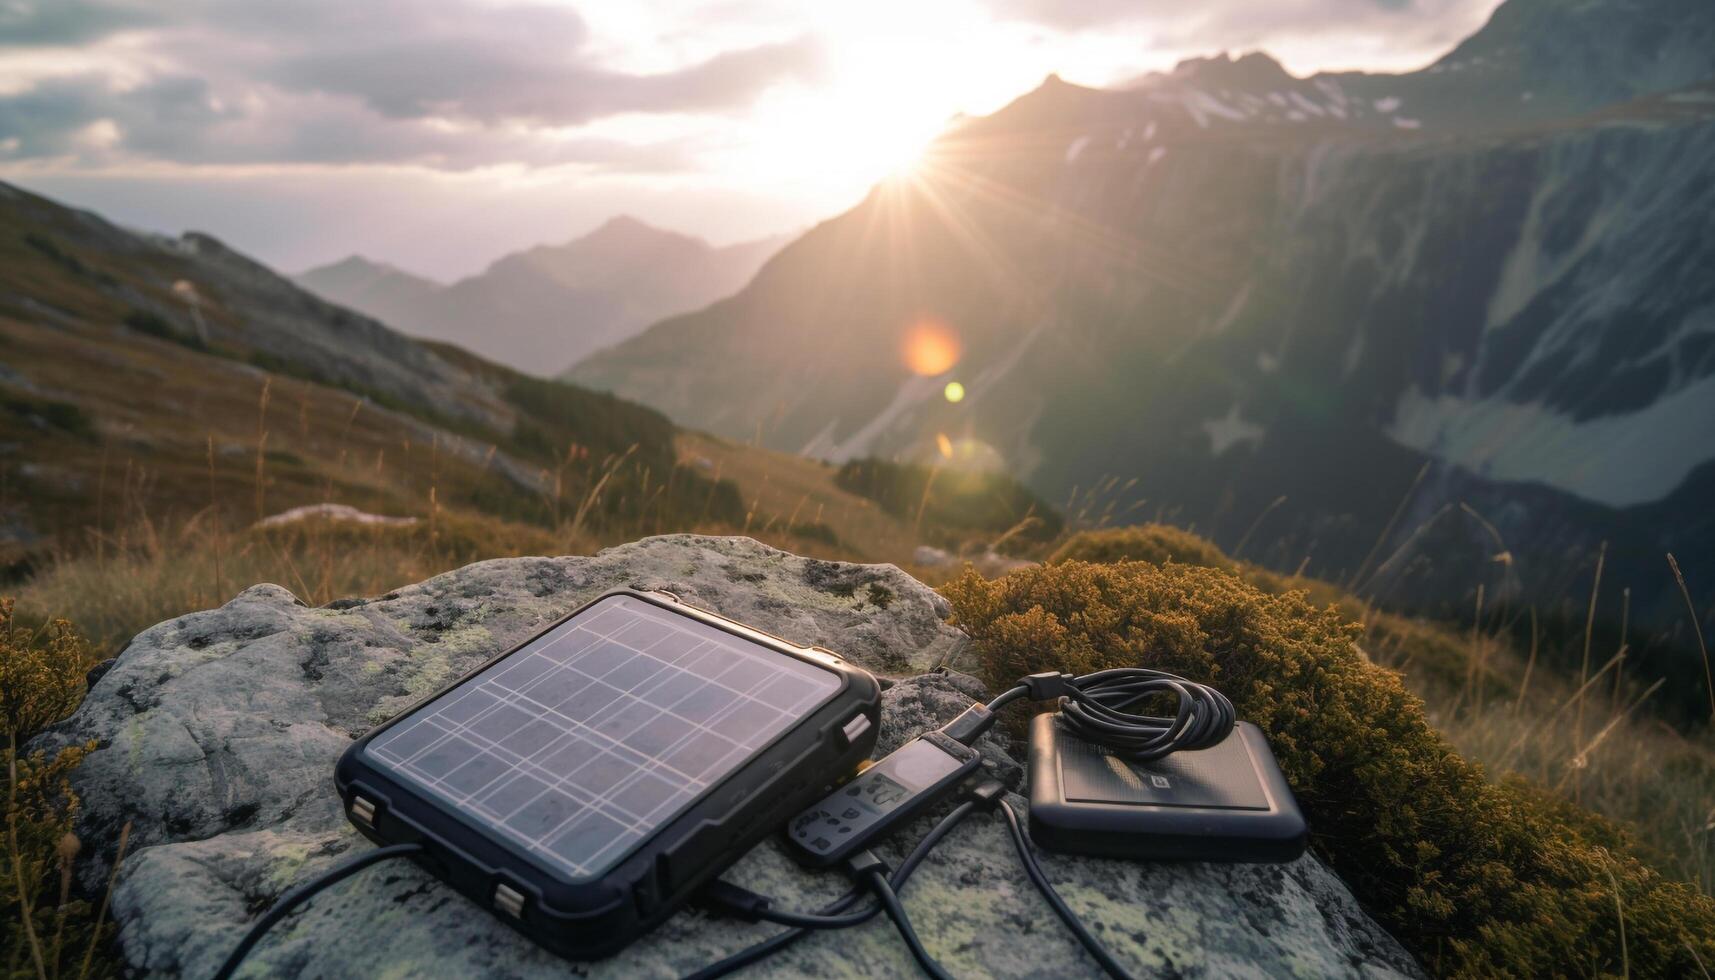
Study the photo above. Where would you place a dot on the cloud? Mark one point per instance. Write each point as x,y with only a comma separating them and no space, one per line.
1236,24
42,23
1090,14
176,119
442,78
449,83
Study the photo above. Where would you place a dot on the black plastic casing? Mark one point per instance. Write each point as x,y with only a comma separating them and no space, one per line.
821,820
597,917
1226,803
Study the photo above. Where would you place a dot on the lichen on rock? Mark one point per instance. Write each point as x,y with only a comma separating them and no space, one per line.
219,731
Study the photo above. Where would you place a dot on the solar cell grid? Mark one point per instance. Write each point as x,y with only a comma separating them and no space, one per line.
580,745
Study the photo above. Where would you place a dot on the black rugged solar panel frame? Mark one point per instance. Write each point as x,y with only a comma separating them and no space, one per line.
590,919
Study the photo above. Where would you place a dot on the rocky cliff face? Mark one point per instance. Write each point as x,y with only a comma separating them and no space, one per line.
219,731
1234,285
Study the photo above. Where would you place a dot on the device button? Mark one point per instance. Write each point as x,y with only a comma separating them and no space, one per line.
364,811
856,727
509,900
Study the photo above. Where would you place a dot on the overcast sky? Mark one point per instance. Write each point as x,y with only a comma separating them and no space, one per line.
439,134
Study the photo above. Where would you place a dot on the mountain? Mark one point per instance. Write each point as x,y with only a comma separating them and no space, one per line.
1417,332
544,308
384,292
146,380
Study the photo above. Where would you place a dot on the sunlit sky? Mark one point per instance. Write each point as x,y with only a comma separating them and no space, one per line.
440,134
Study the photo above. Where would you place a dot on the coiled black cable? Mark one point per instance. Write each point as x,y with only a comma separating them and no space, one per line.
1095,707
1095,711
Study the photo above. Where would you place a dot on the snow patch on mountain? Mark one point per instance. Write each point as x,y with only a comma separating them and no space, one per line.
914,392
1231,430
1620,460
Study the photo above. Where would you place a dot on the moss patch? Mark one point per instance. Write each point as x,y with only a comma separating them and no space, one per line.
1476,877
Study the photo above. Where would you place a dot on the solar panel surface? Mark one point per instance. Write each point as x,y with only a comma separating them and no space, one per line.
577,747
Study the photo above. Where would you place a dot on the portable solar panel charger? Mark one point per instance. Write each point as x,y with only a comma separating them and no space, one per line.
584,784
1227,802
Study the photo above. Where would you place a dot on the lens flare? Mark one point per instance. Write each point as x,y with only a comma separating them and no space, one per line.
955,392
959,454
931,348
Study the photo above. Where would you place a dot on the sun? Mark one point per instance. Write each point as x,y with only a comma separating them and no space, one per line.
838,141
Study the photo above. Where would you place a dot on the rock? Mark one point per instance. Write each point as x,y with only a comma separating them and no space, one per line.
219,730
344,513
990,563
930,556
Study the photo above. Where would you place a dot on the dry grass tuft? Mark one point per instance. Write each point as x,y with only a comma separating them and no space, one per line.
41,681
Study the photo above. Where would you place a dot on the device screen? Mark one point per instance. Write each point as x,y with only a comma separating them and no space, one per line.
581,744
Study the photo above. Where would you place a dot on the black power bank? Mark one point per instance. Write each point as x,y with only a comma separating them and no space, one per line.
1225,803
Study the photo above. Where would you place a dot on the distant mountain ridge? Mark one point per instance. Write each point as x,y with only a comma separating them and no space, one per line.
1476,294
541,309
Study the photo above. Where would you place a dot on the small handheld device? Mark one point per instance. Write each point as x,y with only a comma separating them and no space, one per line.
1226,802
585,783
880,798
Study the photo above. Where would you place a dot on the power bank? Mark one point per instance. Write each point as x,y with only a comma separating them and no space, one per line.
1224,803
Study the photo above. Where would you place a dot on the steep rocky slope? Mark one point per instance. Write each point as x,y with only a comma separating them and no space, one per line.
1224,285
541,309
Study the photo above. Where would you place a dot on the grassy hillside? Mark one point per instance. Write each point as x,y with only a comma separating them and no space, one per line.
150,384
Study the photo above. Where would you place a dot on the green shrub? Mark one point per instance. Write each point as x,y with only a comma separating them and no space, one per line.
51,250
156,325
37,412
1476,877
1429,651
1155,543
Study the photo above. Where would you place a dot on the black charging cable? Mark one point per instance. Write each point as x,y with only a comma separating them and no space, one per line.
1109,965
896,911
304,893
1094,708
748,905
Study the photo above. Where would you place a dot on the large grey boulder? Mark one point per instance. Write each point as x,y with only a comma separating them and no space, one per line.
219,731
